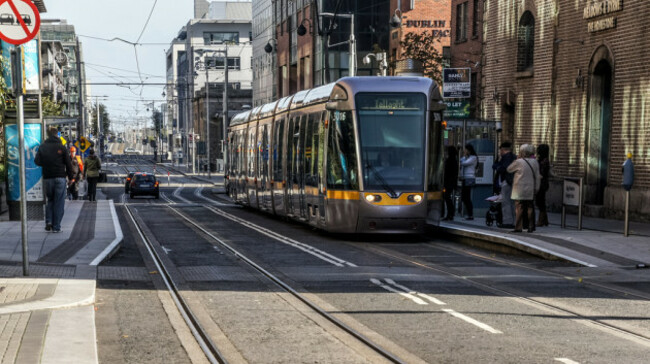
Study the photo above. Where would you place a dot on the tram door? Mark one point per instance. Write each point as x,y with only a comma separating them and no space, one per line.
297,194
263,194
279,155
292,145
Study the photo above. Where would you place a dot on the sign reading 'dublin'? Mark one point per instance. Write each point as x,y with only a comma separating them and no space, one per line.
598,8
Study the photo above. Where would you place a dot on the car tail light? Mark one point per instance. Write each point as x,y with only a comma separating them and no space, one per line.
155,184
128,179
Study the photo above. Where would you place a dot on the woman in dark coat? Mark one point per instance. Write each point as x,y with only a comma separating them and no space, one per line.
451,180
545,171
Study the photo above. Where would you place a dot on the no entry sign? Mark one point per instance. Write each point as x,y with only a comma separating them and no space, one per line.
19,21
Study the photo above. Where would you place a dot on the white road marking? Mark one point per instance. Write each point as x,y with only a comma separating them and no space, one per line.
566,361
177,193
466,318
283,239
165,249
199,193
391,289
408,290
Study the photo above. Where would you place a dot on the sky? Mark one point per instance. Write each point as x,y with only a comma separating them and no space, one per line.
124,19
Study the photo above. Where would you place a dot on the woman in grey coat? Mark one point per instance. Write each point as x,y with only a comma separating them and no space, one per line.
526,182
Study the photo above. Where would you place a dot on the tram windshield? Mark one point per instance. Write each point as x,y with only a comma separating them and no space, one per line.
392,140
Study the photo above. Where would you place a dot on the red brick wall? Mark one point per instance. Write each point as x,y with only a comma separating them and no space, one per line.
468,53
436,15
550,106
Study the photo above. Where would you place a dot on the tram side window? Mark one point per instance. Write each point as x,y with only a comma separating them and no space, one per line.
263,152
277,151
308,150
342,171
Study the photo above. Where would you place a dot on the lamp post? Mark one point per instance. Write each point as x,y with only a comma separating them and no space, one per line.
352,42
381,57
207,103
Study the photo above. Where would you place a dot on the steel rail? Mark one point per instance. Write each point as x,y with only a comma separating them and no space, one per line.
378,349
574,315
210,350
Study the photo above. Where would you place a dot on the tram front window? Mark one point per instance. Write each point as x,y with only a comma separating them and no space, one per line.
392,141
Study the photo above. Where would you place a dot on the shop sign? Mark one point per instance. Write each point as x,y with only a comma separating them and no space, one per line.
456,83
457,109
598,8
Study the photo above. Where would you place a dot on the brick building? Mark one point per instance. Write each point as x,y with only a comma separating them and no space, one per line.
420,16
467,45
573,74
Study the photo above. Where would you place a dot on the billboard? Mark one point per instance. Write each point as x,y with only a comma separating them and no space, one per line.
33,173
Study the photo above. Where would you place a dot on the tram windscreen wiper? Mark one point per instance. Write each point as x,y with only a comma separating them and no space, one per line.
382,181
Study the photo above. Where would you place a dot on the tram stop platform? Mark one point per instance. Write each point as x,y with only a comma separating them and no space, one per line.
49,316
599,244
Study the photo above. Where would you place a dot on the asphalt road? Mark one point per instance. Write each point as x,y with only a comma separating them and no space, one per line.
422,298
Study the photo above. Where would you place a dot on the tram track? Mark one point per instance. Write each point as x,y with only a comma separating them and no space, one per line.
615,329
202,338
293,292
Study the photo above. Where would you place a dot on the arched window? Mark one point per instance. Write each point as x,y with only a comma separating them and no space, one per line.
526,42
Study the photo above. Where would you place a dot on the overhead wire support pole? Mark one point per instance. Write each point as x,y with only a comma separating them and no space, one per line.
225,109
17,65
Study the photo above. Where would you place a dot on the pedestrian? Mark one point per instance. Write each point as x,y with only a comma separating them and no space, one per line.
468,164
73,187
450,181
545,171
55,161
526,183
92,165
505,178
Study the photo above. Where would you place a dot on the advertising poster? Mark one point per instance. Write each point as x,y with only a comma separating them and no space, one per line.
456,83
32,74
6,55
33,173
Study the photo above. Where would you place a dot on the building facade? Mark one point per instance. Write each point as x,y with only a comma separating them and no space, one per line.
221,39
466,46
569,74
264,66
75,91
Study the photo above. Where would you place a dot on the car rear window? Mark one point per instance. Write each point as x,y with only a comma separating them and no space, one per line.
147,178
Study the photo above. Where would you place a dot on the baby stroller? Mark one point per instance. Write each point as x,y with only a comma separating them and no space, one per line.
494,212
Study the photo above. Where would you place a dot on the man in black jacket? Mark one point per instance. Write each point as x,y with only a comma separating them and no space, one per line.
505,182
55,161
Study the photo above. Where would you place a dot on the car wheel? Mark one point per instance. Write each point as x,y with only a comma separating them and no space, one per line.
157,196
131,195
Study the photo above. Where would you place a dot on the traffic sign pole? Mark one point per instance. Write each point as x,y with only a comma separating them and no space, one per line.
17,66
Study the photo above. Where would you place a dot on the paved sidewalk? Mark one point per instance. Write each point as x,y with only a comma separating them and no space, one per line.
48,316
600,243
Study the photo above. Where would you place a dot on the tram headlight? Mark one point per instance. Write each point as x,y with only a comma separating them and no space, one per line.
373,198
415,198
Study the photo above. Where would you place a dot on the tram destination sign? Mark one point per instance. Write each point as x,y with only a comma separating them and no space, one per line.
456,83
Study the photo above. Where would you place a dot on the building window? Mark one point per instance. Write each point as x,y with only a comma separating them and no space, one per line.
525,42
234,63
461,22
446,56
220,37
476,20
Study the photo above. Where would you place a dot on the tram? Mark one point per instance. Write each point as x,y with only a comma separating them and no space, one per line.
360,155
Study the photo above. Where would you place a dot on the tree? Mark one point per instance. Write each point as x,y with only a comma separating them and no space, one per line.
105,119
422,47
51,108
156,118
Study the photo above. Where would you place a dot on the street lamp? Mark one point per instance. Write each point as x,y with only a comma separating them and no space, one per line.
207,102
381,58
268,48
352,42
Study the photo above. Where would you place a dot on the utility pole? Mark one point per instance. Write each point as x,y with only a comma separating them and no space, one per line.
207,113
225,109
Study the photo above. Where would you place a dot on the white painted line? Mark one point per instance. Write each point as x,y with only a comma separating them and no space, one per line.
118,236
199,193
548,251
165,249
566,361
391,289
286,240
466,318
410,291
178,196
169,200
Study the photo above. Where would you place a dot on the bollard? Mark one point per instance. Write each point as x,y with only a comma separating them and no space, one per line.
628,181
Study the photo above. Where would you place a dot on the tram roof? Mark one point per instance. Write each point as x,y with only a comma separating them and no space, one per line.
389,84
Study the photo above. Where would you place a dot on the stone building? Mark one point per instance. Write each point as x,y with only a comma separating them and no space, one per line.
572,74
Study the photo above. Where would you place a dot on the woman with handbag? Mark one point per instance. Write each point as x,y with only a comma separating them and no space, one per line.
525,184
468,164
91,173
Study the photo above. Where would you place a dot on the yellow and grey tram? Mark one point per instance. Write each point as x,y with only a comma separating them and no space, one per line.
361,155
